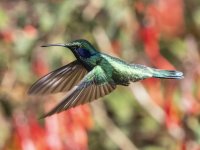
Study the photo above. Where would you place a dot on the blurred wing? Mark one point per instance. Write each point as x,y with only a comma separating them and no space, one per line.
62,79
94,85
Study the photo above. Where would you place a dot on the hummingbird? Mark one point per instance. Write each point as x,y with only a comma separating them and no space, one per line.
92,75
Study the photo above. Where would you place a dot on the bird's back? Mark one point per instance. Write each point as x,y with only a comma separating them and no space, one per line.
116,69
121,72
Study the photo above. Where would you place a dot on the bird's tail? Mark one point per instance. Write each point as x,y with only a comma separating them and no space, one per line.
167,74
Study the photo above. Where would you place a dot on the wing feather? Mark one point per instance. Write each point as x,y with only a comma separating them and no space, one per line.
94,85
60,80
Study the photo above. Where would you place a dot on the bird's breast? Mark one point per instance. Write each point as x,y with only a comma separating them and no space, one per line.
91,62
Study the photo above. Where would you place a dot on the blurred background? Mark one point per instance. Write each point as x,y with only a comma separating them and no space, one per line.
149,115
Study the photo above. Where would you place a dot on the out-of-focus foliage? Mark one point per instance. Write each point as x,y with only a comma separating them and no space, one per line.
151,115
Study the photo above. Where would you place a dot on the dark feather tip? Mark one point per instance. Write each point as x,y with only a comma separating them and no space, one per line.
45,46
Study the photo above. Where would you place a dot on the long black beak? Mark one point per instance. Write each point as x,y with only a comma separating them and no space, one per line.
63,45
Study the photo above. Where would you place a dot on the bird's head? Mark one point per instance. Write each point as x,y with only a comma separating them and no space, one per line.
81,48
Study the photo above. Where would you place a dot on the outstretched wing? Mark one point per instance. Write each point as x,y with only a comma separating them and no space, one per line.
62,79
94,85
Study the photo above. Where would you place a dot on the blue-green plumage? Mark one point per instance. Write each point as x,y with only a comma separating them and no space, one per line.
96,74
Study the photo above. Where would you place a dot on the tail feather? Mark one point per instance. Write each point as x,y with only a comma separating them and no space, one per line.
167,74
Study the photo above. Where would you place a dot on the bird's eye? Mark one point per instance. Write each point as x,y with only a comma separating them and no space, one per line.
84,52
